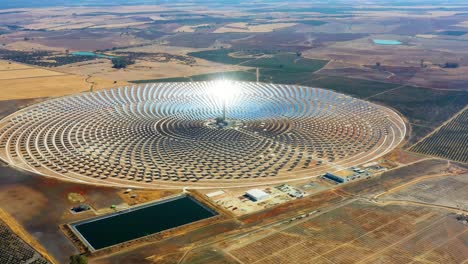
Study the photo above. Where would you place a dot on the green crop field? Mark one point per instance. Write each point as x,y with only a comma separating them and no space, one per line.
287,62
219,55
290,62
424,106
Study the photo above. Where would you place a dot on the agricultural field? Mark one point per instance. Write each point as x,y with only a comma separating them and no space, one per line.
41,58
449,141
252,28
232,75
219,55
354,87
359,233
407,212
27,73
412,101
288,62
425,109
211,255
448,191
149,69
14,250
21,81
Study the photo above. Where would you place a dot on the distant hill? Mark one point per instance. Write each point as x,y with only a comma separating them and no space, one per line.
322,5
6,4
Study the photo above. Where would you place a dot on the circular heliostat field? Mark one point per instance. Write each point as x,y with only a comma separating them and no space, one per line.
200,134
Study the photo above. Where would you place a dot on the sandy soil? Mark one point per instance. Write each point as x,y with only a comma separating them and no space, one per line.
144,196
403,157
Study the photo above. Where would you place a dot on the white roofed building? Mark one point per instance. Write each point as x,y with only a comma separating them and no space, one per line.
257,195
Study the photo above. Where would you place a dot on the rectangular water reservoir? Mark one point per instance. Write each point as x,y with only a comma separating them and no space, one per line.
109,230
387,42
91,54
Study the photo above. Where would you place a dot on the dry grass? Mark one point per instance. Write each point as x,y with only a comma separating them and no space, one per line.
402,156
50,20
189,28
76,197
427,36
144,196
8,66
30,46
154,48
120,25
27,73
393,14
245,27
72,26
147,70
24,82
47,86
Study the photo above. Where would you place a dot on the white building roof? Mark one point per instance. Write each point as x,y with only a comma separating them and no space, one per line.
213,194
257,194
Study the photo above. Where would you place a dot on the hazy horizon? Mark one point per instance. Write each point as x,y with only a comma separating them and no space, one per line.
6,4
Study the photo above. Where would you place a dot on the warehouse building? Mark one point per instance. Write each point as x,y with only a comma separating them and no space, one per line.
334,177
339,176
257,195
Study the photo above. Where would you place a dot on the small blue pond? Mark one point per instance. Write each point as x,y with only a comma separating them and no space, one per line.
93,54
387,42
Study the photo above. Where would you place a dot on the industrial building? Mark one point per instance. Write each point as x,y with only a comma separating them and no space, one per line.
339,176
333,177
257,195
291,191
